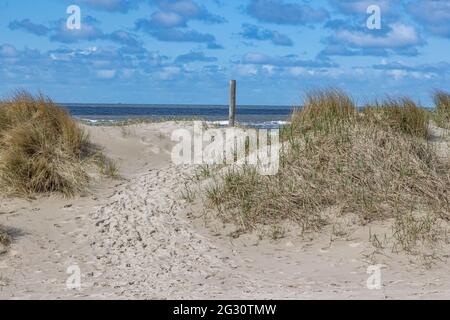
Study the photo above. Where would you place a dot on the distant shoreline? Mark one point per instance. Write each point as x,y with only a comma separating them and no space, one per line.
271,124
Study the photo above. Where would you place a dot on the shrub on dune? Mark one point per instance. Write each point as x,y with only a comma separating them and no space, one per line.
42,149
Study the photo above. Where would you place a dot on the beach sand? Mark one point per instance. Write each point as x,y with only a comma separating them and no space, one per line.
136,237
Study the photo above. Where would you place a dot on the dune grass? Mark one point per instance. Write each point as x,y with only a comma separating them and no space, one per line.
442,106
106,166
324,111
402,115
42,149
375,165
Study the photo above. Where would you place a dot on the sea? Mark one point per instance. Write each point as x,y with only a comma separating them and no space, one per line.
250,116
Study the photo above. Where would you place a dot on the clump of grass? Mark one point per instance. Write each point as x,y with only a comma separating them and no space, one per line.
402,114
106,166
277,232
442,104
42,149
203,172
5,239
323,110
109,169
374,166
207,171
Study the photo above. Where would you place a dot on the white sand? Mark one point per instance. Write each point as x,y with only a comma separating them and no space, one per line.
137,238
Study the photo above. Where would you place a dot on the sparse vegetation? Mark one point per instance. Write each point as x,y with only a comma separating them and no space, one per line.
42,149
188,194
414,234
107,167
375,165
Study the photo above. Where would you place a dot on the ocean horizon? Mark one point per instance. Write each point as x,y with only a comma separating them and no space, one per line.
263,116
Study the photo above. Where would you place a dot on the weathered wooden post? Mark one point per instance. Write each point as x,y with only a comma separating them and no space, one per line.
232,117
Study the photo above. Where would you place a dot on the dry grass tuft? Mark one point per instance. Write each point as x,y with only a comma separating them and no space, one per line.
323,110
42,149
5,239
106,166
442,104
402,114
375,166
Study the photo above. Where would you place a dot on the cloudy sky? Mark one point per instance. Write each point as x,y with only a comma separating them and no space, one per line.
186,51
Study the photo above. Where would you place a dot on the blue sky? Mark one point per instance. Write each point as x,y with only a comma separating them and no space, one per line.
186,51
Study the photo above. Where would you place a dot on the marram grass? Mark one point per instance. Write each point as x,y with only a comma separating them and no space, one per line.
42,149
374,165
442,105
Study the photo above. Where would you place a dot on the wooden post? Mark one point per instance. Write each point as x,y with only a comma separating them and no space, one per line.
232,117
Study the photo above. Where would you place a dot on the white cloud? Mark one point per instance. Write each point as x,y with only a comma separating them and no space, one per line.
399,36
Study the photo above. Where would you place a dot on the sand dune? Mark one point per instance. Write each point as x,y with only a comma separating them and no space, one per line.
137,238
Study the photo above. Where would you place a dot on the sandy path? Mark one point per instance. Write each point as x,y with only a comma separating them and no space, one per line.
150,249
136,238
